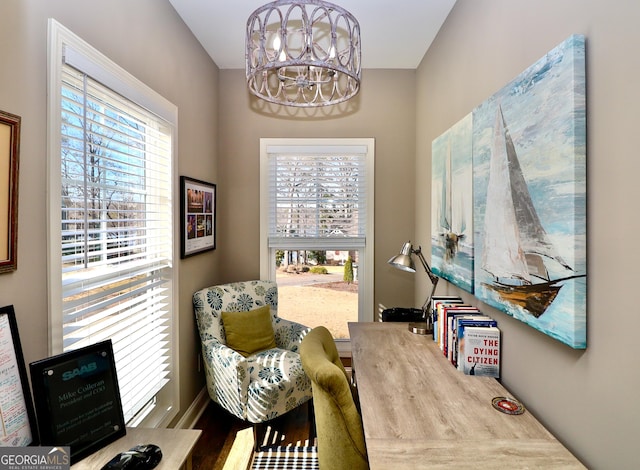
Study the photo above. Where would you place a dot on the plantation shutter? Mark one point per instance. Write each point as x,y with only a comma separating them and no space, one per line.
117,236
317,197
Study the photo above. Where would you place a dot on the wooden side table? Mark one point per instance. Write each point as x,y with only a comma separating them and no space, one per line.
176,445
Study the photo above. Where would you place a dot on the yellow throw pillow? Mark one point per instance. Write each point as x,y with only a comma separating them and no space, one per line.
249,332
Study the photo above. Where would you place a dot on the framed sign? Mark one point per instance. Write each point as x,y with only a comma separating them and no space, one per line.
9,158
197,216
17,419
78,400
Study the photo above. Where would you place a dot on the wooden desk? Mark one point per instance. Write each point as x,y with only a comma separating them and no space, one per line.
176,446
418,411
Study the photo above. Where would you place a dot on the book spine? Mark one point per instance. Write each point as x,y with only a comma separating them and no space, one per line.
448,309
453,331
451,321
436,302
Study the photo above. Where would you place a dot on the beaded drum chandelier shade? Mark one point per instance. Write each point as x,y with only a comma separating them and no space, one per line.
303,53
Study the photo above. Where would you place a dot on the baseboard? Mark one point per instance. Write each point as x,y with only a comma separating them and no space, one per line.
195,410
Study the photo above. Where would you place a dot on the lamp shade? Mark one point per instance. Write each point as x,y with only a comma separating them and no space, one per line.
404,261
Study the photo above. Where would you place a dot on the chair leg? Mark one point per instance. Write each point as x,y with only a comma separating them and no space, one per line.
312,423
258,436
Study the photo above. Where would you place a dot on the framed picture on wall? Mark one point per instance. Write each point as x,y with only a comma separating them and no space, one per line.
17,418
197,216
9,157
452,255
530,193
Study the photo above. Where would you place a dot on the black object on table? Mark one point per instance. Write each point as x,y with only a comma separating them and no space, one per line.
402,314
141,457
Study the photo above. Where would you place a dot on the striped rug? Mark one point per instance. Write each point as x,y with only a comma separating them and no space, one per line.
286,458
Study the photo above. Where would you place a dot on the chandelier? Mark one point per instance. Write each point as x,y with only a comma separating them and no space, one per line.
303,53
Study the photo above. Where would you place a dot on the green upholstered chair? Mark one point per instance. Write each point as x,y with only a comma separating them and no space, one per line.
256,384
340,436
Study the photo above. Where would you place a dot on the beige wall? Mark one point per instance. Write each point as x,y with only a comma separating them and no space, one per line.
148,39
384,109
589,399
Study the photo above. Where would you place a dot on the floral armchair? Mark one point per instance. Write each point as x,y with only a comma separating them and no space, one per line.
263,385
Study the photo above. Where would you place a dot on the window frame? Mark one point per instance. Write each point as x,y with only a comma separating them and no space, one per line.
62,41
366,253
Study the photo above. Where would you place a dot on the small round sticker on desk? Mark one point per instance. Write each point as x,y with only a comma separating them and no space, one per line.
507,405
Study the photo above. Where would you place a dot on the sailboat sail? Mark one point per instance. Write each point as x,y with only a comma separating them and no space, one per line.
445,203
503,256
515,241
451,231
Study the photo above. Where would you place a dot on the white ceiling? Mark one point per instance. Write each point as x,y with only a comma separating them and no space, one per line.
395,34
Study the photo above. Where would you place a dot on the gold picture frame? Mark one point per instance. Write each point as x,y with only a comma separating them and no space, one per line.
9,159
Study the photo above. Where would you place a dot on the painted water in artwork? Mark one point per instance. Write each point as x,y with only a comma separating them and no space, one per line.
529,180
452,205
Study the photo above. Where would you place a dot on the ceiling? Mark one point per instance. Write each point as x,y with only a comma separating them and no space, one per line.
395,34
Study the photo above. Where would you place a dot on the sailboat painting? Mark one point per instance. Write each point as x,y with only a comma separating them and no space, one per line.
529,184
452,205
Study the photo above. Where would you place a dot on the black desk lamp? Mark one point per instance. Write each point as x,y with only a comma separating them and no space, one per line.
404,261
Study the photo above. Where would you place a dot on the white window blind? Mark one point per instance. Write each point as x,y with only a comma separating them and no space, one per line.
117,236
317,195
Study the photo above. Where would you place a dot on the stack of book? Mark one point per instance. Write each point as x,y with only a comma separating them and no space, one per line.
469,339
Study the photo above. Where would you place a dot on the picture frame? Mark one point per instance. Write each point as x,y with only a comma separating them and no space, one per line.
18,425
9,160
530,195
452,249
77,399
197,216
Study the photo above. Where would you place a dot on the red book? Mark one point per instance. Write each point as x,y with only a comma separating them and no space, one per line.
436,301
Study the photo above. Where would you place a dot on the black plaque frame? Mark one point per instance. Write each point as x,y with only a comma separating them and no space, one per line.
11,375
78,400
198,204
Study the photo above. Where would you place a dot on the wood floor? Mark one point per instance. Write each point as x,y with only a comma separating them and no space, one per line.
219,429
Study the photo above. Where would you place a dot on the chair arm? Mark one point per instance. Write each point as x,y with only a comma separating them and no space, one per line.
227,376
289,334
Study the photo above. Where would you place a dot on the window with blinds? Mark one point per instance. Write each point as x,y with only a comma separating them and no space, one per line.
317,196
115,231
316,200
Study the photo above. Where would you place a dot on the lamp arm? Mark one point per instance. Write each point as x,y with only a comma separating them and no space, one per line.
434,279
426,307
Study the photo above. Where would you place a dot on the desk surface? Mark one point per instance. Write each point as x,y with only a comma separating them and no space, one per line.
176,446
418,411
